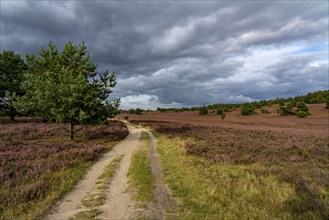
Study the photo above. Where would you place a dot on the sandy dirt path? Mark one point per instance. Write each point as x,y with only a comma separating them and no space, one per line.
118,204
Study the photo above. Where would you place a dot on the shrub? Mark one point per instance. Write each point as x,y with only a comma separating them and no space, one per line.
247,109
264,111
126,117
292,108
301,106
287,109
220,111
227,109
257,105
327,102
301,114
203,111
222,116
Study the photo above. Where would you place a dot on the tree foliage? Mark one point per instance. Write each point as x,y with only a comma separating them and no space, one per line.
65,87
12,68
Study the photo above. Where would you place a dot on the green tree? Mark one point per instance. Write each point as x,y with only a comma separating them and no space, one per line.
65,87
12,67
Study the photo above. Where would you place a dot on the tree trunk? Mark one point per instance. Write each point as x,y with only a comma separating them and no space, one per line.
12,117
71,131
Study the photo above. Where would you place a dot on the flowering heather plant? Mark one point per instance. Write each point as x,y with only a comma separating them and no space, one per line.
114,130
31,130
36,159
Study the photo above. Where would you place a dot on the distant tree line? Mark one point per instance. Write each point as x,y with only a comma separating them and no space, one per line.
62,87
287,106
136,111
173,109
249,108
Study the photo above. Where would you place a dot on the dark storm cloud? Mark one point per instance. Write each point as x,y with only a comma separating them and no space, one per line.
184,53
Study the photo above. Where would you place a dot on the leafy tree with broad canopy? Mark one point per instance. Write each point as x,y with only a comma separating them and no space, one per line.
65,87
12,68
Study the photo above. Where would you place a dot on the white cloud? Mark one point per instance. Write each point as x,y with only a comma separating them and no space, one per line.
184,53
139,101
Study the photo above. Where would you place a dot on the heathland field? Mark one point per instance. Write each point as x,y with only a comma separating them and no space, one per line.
155,110
38,164
262,166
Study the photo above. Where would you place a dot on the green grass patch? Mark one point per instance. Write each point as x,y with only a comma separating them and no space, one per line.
206,190
93,200
109,171
87,214
141,179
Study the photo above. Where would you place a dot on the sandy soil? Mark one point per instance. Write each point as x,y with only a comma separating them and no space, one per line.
118,204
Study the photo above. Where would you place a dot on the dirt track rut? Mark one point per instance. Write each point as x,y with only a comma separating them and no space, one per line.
118,203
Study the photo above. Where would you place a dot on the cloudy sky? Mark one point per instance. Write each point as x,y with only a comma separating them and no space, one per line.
184,53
